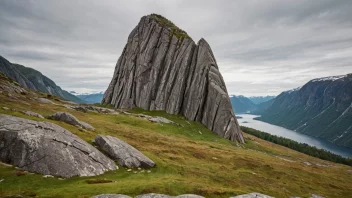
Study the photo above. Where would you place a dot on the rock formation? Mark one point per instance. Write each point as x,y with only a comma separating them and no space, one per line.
70,119
253,195
49,149
161,68
150,195
125,154
31,113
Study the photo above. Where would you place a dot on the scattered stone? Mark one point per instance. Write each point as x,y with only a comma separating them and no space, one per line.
153,195
129,170
214,158
253,195
6,108
200,132
49,149
111,196
125,154
30,113
316,196
149,171
323,165
1,180
134,172
48,176
80,108
70,119
307,163
160,120
350,171
60,178
45,101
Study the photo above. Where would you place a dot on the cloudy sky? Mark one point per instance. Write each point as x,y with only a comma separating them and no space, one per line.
262,47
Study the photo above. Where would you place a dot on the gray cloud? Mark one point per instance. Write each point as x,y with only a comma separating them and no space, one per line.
262,47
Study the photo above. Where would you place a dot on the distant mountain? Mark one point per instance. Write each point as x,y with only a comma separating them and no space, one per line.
321,108
262,107
33,79
260,99
242,104
90,98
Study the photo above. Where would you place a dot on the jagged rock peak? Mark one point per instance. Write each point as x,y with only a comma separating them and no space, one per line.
161,68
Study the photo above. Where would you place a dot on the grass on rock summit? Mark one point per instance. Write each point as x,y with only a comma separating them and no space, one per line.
179,33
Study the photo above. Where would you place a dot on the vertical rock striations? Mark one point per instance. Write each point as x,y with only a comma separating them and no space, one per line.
161,68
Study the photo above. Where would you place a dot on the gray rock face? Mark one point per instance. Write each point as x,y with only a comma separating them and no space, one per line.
49,149
125,154
34,114
253,195
159,71
70,119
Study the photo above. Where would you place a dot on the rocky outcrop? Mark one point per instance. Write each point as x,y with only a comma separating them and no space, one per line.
161,68
153,195
31,113
70,119
125,154
111,196
253,195
45,101
150,195
49,149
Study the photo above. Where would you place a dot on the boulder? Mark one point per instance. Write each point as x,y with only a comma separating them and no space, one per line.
111,196
153,195
79,108
70,119
45,101
253,195
46,148
34,114
162,68
125,154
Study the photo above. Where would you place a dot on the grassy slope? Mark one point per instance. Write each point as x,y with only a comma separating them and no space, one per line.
187,162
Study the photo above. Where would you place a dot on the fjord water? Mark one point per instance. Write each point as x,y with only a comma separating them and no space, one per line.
248,121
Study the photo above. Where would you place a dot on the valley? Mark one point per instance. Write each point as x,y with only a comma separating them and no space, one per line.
249,120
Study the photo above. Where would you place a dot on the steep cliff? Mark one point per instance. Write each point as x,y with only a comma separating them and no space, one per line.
321,108
33,79
161,68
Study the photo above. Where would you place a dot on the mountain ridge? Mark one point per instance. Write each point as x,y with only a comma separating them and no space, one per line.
321,108
33,79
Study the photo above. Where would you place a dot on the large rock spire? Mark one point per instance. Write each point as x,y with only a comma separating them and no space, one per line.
161,68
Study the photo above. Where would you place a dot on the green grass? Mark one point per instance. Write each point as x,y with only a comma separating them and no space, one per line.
175,31
189,158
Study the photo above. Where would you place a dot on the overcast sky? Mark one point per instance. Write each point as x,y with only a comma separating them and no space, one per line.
262,47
